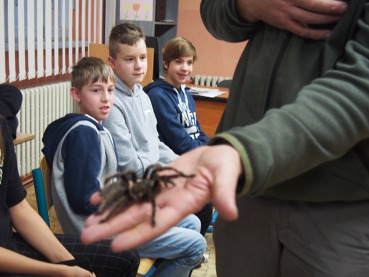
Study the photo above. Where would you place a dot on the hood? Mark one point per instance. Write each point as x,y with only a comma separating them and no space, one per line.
55,132
159,83
10,103
121,87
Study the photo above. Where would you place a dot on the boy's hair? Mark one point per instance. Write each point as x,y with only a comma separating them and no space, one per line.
178,47
91,69
124,33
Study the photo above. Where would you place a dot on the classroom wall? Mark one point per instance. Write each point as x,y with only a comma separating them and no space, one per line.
216,58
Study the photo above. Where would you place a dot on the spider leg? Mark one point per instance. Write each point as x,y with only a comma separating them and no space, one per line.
111,194
153,204
179,173
167,179
114,208
151,170
102,208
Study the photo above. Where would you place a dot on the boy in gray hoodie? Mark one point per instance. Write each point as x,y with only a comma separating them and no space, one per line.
132,124
132,121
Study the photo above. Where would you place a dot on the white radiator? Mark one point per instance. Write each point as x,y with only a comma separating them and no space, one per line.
212,81
41,105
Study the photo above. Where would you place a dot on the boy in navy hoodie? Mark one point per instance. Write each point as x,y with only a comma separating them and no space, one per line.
175,108
173,103
82,152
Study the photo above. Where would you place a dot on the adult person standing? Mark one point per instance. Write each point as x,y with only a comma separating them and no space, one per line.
295,131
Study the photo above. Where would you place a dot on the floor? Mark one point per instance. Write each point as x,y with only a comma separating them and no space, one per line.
207,269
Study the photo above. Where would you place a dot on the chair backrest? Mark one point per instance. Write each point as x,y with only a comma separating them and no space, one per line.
102,51
225,84
42,183
152,42
46,177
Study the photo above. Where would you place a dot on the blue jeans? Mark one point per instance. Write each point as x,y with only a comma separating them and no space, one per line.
182,248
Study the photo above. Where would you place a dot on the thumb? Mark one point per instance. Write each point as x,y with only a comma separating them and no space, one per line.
224,195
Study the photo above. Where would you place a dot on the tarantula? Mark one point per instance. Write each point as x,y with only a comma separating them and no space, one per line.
125,188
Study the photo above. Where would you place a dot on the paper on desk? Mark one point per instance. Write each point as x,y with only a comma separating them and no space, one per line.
206,92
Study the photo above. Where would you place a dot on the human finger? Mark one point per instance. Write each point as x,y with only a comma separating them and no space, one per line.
144,231
331,7
133,227
312,18
308,32
125,219
224,192
95,198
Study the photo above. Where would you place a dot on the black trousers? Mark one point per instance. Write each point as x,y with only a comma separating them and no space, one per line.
104,262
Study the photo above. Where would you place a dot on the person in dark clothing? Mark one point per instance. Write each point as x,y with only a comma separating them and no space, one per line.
292,144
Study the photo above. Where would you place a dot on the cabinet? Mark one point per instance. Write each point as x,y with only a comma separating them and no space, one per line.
163,26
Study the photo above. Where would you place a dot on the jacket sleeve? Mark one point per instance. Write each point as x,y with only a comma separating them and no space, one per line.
221,20
15,190
81,152
166,154
203,138
328,118
170,129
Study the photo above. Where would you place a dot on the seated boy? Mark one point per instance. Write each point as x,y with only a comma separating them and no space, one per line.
132,121
81,152
173,103
175,108
132,124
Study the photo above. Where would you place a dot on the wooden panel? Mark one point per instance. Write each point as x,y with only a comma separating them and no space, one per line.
209,113
150,67
210,110
102,51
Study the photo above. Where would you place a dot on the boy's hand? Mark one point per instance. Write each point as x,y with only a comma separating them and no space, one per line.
75,271
215,181
296,16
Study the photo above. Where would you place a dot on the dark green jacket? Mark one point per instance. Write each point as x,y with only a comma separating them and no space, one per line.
298,111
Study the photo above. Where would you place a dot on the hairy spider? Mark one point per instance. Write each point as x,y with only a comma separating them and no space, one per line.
124,188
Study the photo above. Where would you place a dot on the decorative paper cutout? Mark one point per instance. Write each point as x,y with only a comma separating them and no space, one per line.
141,10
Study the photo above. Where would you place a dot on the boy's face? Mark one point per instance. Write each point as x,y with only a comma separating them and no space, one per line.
178,70
95,99
131,63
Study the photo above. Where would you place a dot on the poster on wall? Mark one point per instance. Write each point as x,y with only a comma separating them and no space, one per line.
141,10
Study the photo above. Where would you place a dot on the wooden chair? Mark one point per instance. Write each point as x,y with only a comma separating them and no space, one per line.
225,84
42,183
102,51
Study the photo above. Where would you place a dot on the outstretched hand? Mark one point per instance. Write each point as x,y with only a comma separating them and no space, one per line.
296,16
217,170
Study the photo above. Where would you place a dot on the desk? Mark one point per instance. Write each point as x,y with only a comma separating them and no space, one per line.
210,110
23,137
